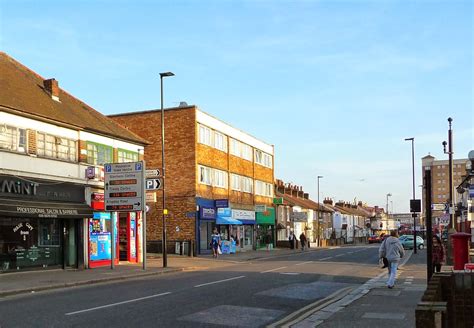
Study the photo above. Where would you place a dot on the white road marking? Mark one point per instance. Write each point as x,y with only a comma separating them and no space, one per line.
274,269
290,273
340,255
119,303
219,281
326,258
304,263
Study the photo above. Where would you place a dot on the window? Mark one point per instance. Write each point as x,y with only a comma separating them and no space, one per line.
247,184
127,156
246,152
99,154
204,175
263,158
220,141
12,138
234,147
56,147
205,135
263,188
220,179
235,181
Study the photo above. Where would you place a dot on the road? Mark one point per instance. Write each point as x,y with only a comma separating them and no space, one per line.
245,294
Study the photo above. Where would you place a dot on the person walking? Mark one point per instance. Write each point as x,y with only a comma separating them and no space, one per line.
437,254
215,243
392,249
303,241
291,239
268,240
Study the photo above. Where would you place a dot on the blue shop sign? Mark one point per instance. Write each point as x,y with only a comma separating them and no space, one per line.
224,212
101,215
207,212
221,203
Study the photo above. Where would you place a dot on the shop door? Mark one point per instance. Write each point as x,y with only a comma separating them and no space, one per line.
248,237
205,235
70,244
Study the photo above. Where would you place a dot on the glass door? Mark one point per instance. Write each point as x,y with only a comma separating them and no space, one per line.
70,244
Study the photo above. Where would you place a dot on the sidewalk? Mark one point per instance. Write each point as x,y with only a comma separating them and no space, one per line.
373,304
33,281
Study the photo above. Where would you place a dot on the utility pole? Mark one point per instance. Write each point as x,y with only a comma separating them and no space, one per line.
429,228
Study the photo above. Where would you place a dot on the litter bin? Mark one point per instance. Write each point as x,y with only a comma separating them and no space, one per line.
460,249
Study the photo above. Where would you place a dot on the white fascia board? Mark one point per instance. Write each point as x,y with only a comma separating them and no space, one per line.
28,123
87,136
232,132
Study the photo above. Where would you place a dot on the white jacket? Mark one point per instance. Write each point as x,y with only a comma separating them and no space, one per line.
392,249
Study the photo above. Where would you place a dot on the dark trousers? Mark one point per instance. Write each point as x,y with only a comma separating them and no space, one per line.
436,267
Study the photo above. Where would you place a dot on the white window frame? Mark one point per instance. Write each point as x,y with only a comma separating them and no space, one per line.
263,158
205,174
234,147
263,188
13,138
235,182
205,135
51,146
220,141
219,179
247,184
246,151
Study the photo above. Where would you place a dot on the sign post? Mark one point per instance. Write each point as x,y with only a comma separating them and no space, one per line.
124,192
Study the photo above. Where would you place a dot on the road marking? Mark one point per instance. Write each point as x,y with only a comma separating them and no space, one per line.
304,263
349,252
326,258
274,269
119,303
219,281
290,273
340,255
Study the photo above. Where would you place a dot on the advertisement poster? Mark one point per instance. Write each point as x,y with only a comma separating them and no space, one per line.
100,246
133,249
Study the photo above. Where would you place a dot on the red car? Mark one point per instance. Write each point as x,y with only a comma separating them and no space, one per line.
374,239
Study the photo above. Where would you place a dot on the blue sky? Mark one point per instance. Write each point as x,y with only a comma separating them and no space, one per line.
335,85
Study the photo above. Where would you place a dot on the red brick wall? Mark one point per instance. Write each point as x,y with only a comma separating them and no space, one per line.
32,142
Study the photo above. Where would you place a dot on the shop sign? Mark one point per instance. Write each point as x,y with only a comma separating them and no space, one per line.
23,229
278,200
207,212
243,215
151,197
94,172
298,216
97,197
224,212
221,203
101,215
260,208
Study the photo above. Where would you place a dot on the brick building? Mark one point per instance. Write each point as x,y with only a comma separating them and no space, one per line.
52,147
215,175
440,186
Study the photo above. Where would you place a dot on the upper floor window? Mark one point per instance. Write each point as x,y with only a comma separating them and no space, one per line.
234,146
263,188
99,154
263,158
51,146
127,156
220,141
220,179
12,138
205,135
235,181
246,152
247,184
205,175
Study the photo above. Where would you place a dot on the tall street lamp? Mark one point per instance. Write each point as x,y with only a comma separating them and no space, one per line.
413,175
388,195
319,243
163,175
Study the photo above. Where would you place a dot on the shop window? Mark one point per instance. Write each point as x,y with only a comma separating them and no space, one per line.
125,156
12,138
99,154
55,147
49,232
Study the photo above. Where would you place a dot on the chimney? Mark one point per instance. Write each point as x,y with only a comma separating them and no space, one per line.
327,201
360,203
306,195
52,87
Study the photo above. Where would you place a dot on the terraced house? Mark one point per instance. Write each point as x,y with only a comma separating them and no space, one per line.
52,147
215,175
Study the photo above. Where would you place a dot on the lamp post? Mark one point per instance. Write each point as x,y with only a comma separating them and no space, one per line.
452,223
319,243
163,174
413,176
388,195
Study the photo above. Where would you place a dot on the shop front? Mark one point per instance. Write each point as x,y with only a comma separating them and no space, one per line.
265,226
41,224
205,224
246,231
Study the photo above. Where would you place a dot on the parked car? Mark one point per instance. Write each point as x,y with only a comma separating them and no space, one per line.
375,239
407,242
403,237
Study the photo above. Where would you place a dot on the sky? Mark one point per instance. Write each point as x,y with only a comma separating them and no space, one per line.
335,86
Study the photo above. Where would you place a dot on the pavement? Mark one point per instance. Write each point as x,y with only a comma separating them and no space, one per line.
13,283
373,304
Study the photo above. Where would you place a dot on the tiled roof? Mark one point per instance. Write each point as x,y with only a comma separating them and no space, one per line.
302,202
22,93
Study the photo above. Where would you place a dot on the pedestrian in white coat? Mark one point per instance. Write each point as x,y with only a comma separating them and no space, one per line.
392,249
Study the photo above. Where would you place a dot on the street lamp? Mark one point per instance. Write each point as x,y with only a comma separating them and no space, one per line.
413,175
388,195
319,243
163,175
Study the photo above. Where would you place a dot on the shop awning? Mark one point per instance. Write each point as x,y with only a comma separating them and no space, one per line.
227,220
26,208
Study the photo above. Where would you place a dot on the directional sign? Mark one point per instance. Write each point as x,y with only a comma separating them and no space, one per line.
153,173
438,207
124,187
153,184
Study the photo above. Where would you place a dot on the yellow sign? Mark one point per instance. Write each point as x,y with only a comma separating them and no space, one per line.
165,211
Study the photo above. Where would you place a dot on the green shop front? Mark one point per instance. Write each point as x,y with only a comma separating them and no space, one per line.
265,227
41,224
